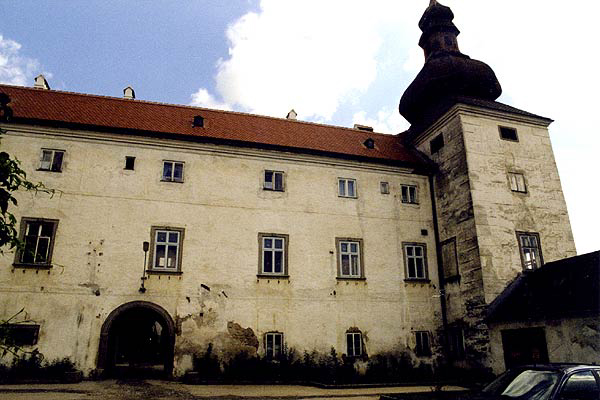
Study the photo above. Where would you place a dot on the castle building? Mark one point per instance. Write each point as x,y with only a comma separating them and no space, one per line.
173,228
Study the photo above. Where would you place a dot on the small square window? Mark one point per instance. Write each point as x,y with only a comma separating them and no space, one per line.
354,346
349,258
129,163
409,194
38,238
517,182
198,122
51,160
347,187
384,187
273,181
507,133
422,348
436,143
415,258
273,345
20,334
172,171
530,249
272,255
166,249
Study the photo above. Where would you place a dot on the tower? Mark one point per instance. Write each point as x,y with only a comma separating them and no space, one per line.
499,206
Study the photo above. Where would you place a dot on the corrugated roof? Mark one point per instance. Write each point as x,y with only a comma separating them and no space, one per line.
76,110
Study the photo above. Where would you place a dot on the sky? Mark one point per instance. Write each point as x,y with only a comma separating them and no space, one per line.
336,62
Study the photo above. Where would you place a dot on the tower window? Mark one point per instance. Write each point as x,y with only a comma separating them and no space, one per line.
436,143
507,133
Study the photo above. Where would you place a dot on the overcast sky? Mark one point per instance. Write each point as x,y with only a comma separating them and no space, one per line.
334,61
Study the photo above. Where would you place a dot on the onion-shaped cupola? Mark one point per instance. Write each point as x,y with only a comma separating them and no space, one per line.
447,73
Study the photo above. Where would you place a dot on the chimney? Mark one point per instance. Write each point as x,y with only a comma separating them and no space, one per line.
129,93
363,128
41,83
292,114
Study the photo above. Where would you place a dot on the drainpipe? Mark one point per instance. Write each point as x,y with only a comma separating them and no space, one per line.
438,251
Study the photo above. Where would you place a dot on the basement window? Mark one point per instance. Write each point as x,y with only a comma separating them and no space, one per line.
129,163
436,143
21,334
198,122
507,133
423,347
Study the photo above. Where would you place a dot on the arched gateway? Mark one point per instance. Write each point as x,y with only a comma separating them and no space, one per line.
137,338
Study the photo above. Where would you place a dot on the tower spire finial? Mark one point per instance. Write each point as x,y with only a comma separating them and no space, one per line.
432,3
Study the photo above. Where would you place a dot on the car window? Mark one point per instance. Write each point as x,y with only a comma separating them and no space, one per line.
580,386
525,385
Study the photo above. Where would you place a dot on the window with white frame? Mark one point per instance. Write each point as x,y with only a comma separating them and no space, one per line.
415,257
38,238
384,187
409,194
172,171
166,249
354,346
346,187
273,345
273,181
422,347
517,182
531,251
273,254
349,258
51,160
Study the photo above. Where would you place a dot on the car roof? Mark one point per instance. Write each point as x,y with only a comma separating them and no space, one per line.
563,367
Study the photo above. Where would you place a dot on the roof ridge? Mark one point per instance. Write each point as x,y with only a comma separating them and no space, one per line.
129,101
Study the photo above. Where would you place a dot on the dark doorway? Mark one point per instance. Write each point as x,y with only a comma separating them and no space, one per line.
524,346
137,341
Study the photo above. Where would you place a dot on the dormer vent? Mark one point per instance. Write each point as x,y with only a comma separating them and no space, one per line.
369,143
363,128
198,122
292,114
40,82
129,93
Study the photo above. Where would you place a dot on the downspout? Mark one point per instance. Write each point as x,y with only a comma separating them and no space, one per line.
438,251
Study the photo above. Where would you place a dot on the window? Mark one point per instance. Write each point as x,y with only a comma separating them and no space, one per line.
422,347
369,143
517,182
52,160
507,133
456,343
349,258
416,261
354,344
449,259
436,143
273,345
130,163
409,194
20,334
273,181
38,237
273,254
531,251
384,187
172,171
166,249
346,187
580,386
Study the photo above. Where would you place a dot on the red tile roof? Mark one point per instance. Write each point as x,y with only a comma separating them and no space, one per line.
141,117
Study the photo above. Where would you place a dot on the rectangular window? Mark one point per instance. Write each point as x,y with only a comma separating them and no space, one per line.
531,250
273,254
409,194
20,334
384,187
422,347
172,171
507,133
38,238
273,345
349,258
346,187
517,182
354,344
456,343
415,257
449,259
130,163
166,249
273,181
436,143
51,160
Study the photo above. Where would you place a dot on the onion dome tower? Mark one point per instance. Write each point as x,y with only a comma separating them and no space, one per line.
447,73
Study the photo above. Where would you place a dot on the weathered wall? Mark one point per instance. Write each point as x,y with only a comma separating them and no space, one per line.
569,340
106,212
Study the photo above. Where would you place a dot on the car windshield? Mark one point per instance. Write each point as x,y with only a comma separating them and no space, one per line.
524,385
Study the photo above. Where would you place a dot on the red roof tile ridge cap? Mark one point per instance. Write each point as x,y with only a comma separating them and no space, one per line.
105,97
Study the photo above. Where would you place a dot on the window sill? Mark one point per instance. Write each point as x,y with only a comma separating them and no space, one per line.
265,276
160,272
452,279
32,266
417,280
169,181
274,190
347,197
48,170
351,278
410,203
